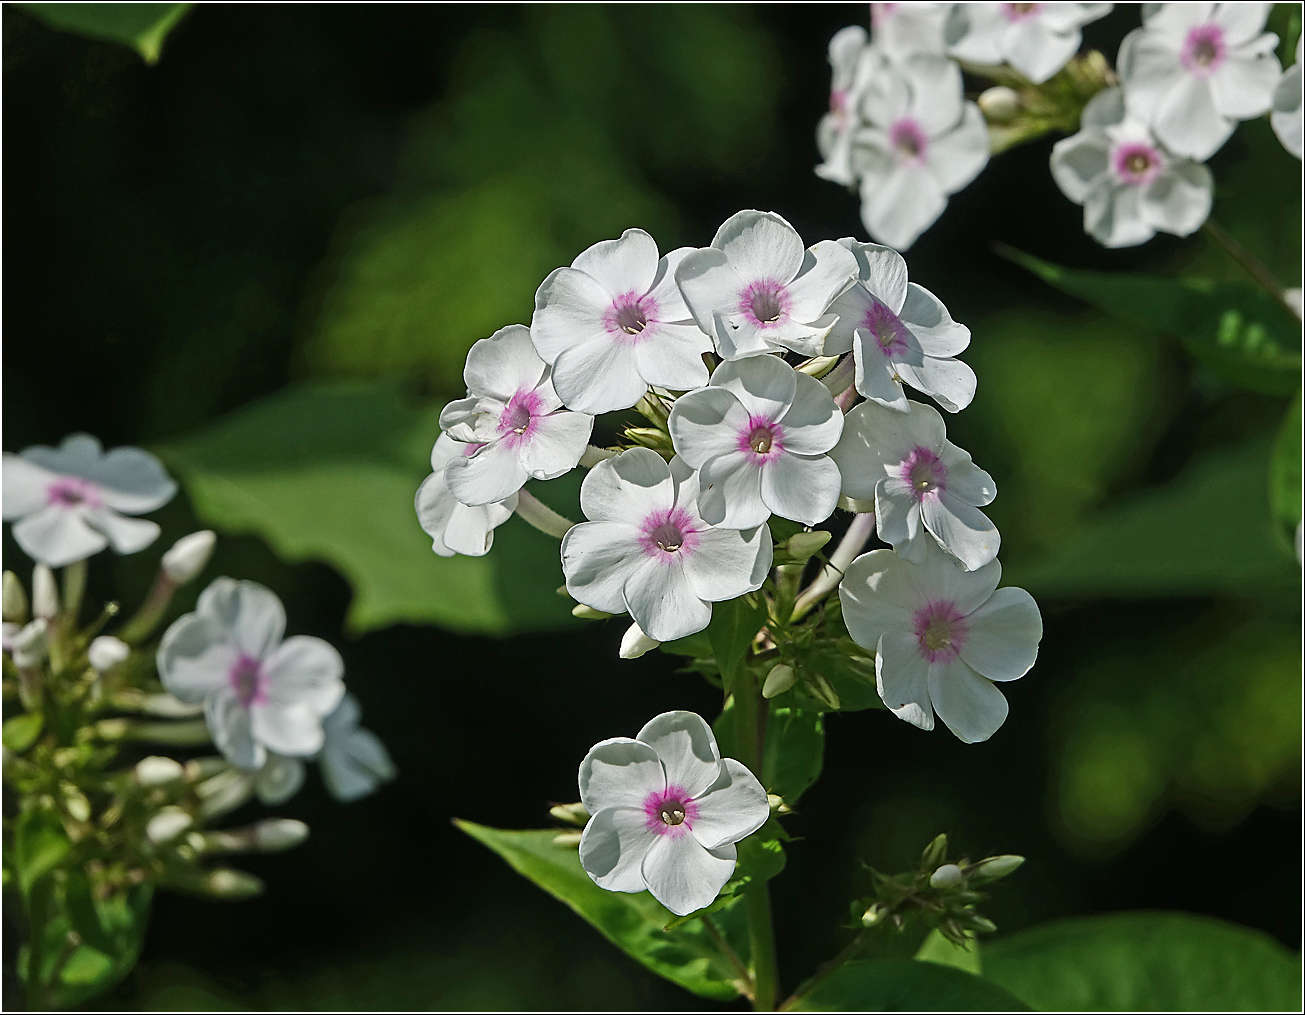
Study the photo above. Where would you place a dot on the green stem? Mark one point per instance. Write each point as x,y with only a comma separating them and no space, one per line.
1247,261
761,929
74,588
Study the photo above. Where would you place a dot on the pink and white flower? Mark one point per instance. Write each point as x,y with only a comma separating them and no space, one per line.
908,29
851,62
1287,99
614,323
922,143
1193,70
1036,39
941,637
260,694
759,435
927,492
68,503
756,290
1130,187
899,333
513,413
667,810
453,526
648,551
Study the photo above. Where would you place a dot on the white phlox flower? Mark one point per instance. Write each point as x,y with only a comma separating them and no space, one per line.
1193,70
851,62
757,290
759,435
453,526
513,413
1130,187
1036,39
909,29
1286,117
899,333
260,694
922,143
667,811
927,492
941,637
106,652
647,551
69,502
27,644
614,323
354,762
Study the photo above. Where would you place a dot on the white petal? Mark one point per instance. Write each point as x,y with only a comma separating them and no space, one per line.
902,678
949,382
555,444
897,209
827,269
125,535
569,309
1178,201
740,337
731,492
596,559
875,437
685,877
876,375
355,765
879,592
760,245
305,671
492,474
928,320
613,847
1079,163
706,423
1002,635
946,580
958,156
961,529
279,779
897,515
1241,21
687,749
732,808
660,600
1037,52
1187,121
666,292
600,375
801,488
25,486
726,563
628,487
131,480
813,422
765,385
293,730
503,364
965,479
671,356
58,535
626,265
251,614
1112,215
195,658
970,705
620,772
709,286
229,723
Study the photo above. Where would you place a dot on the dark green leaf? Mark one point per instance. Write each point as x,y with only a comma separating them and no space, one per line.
937,948
1145,962
87,967
40,844
20,732
904,985
141,27
83,915
1285,470
795,751
732,628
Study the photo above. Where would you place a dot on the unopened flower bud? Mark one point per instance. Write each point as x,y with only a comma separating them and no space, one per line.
947,876
45,594
802,545
167,824
860,507
874,916
994,867
778,680
106,652
1000,104
157,770
570,814
635,643
583,612
13,599
75,802
188,557
935,852
568,838
277,834
228,883
823,691
29,646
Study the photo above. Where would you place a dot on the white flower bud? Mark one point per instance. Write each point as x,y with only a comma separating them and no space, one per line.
189,556
857,507
29,646
572,814
45,594
583,612
276,834
232,884
167,824
636,643
157,770
106,652
802,545
1000,104
994,867
1295,298
947,876
13,599
778,680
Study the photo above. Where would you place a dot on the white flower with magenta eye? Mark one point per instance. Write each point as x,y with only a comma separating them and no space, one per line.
759,436
1129,186
453,526
69,502
646,550
354,761
908,29
851,63
260,694
899,332
941,637
927,492
614,323
757,290
923,143
1193,70
512,411
1036,39
667,811
1287,99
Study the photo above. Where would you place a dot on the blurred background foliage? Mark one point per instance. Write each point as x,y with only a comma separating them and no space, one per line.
266,256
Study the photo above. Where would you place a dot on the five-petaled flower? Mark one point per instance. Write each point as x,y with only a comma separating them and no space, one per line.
759,435
850,62
667,811
68,503
941,636
261,694
453,526
1036,39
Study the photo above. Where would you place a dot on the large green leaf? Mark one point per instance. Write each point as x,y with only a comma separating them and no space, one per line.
794,752
1145,962
684,954
905,985
733,626
40,845
329,473
141,27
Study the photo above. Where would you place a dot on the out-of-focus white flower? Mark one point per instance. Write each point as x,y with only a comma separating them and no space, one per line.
899,332
922,143
354,762
1193,70
947,876
1036,39
756,290
512,411
634,643
647,550
45,593
260,693
27,645
667,811
1287,99
926,490
279,779
156,770
167,824
1128,185
69,502
614,323
106,652
189,556
453,526
851,62
759,437
941,636
273,835
1295,298
909,29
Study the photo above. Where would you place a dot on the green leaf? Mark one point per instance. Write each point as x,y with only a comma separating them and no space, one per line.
732,628
1145,962
87,967
905,985
1240,332
939,949
795,752
141,27
20,732
83,915
636,924
1285,471
40,844
329,473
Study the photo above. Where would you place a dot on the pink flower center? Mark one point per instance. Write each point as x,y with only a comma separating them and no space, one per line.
762,440
69,491
881,13
517,420
838,101
1203,50
886,327
909,140
1136,162
925,473
1018,12
630,317
941,630
670,812
668,534
246,679
765,301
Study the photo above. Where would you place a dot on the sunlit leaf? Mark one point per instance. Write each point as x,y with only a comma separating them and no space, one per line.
40,844
794,752
142,27
904,985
